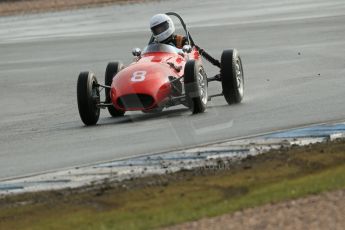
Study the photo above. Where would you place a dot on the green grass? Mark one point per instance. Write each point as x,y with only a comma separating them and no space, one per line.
271,177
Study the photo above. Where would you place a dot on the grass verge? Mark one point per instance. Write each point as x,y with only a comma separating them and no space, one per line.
170,199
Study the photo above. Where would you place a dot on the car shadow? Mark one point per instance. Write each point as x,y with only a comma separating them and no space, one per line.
142,117
137,117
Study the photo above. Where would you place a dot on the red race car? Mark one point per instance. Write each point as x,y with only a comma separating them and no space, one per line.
161,76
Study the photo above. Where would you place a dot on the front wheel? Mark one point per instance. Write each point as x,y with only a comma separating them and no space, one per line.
112,69
88,97
232,76
195,83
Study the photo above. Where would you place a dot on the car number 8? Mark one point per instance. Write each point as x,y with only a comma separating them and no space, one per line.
138,76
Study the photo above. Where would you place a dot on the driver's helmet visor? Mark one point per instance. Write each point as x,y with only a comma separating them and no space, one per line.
160,28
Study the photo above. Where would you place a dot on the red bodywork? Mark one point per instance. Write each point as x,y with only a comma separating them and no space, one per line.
145,84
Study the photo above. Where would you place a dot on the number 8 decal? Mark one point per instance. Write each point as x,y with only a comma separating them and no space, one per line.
138,76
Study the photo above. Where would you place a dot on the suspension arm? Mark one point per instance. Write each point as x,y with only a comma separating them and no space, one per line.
208,57
103,86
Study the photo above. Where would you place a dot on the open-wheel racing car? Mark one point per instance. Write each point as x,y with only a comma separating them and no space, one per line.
161,76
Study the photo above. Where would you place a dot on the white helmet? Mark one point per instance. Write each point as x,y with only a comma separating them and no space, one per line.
162,27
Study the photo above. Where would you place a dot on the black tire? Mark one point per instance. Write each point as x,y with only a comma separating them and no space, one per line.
195,83
88,97
112,69
232,76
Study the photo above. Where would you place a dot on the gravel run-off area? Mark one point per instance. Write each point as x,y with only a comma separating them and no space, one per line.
324,211
11,7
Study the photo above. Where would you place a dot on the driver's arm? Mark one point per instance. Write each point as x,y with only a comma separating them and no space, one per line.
180,41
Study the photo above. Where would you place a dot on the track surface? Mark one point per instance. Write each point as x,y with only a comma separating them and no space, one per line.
294,63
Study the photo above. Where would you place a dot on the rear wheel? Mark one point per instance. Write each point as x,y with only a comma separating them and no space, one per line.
112,69
88,97
232,76
195,83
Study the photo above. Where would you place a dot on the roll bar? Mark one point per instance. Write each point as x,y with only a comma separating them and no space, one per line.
202,52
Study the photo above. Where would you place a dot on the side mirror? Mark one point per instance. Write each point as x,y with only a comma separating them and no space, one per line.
187,49
136,52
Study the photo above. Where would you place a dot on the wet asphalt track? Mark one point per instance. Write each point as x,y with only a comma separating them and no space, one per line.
294,63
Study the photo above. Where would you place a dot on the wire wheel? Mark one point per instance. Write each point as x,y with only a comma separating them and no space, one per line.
88,96
232,76
195,82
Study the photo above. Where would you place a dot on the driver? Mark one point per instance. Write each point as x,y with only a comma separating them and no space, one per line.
163,29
